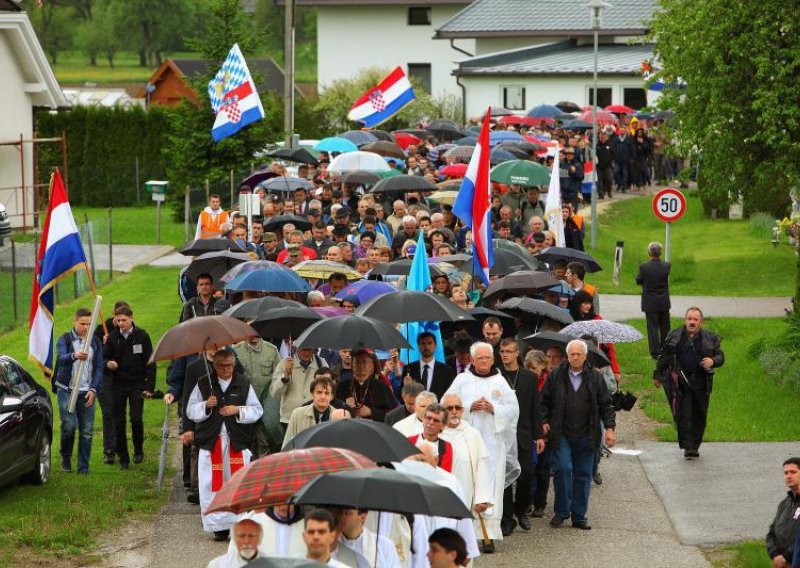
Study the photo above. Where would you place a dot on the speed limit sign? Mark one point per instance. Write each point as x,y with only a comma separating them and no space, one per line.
669,205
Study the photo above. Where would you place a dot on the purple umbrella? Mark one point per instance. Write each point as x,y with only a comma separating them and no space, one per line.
331,311
365,290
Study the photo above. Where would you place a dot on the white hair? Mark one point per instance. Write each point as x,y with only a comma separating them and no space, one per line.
426,395
315,203
437,217
409,219
316,294
580,344
473,350
451,395
399,202
335,207
654,249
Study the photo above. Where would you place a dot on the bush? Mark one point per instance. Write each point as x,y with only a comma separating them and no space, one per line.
761,225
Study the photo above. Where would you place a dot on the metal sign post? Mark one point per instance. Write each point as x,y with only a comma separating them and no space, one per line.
159,191
669,205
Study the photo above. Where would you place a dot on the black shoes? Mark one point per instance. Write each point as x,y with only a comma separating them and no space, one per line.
507,526
66,464
488,548
582,525
220,536
598,479
691,454
524,523
557,520
138,458
123,465
108,459
538,512
193,498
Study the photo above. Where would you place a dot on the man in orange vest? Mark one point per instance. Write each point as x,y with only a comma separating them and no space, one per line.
211,219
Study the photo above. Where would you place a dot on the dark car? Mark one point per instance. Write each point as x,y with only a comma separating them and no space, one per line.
26,426
5,224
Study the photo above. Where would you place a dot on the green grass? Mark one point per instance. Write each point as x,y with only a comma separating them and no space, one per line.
749,554
713,258
63,519
746,405
137,225
73,67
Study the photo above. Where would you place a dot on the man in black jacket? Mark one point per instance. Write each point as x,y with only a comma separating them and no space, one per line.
653,277
685,367
529,436
409,394
605,166
623,159
435,377
785,528
574,401
126,353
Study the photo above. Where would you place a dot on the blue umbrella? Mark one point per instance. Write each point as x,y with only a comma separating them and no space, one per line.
359,137
467,141
500,136
500,156
548,111
365,290
285,183
268,280
334,144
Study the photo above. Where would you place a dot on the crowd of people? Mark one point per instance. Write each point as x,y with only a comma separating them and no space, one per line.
498,418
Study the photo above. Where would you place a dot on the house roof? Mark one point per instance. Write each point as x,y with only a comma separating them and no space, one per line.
519,18
9,6
40,81
374,2
562,58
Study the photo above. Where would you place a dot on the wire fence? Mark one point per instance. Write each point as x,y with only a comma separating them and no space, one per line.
17,262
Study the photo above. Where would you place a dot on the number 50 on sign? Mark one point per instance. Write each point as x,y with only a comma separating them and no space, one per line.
669,205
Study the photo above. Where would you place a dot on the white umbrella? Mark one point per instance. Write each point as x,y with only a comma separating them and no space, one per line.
604,331
352,161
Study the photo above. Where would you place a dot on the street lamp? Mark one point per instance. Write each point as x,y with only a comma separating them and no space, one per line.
596,8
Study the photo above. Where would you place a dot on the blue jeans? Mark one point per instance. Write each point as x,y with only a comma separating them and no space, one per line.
572,467
83,421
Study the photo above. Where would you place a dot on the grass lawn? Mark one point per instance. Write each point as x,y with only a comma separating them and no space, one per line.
137,225
714,258
73,67
749,554
62,519
746,405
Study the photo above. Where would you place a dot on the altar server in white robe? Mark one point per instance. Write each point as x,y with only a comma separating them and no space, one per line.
491,407
371,549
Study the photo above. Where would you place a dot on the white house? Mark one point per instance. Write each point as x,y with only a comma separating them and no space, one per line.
28,84
531,52
358,34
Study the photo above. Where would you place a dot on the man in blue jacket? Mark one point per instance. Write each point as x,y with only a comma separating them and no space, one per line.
69,352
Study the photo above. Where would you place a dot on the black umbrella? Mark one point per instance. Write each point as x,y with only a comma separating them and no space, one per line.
282,562
522,283
521,149
501,111
402,183
285,321
508,261
480,313
568,106
445,130
552,254
286,183
360,177
251,309
402,267
215,263
524,308
278,221
516,153
406,306
378,441
358,137
257,177
547,339
299,155
469,140
382,489
458,260
577,125
382,135
202,246
352,332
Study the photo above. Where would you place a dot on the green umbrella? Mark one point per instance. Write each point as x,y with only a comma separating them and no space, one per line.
520,172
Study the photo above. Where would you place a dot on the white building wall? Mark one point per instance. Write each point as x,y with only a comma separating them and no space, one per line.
352,38
487,45
16,117
484,91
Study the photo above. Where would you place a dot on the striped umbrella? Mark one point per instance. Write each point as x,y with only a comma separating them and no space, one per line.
323,268
274,479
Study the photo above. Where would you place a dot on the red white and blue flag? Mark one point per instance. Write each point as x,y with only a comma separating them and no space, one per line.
60,254
474,201
233,96
588,177
384,100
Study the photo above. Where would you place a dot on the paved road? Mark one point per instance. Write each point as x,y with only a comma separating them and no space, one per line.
620,307
125,257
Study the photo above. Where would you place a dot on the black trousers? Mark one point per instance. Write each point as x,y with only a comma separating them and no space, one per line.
123,398
657,330
692,414
605,181
542,479
106,400
517,504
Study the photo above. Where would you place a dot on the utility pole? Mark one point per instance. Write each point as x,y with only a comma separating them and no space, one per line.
288,68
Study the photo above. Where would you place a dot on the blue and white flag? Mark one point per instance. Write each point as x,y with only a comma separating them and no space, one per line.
233,96
384,100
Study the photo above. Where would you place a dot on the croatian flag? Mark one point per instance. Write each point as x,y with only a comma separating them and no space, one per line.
233,96
60,254
474,201
588,177
384,100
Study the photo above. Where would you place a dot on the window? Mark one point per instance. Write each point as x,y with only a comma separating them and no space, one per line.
603,96
419,16
422,73
513,97
13,379
634,97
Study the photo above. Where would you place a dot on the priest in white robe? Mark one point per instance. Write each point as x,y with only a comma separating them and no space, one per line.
371,549
491,407
412,425
244,547
225,408
282,531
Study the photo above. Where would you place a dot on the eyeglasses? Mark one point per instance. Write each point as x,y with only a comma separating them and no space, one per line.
454,407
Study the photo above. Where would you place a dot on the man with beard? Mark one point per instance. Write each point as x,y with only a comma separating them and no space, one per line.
492,409
245,543
281,531
433,375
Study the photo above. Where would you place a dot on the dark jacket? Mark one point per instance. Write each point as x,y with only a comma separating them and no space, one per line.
132,356
623,149
784,528
207,431
554,397
379,397
195,308
529,426
653,277
323,247
572,235
443,376
605,155
64,361
668,358
190,372
394,416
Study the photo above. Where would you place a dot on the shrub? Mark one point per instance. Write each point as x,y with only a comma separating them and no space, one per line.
761,225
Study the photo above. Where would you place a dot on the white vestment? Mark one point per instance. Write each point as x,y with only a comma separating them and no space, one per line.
395,528
248,414
499,433
409,426
471,463
277,539
231,559
369,546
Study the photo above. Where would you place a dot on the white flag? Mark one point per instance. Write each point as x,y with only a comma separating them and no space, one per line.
553,205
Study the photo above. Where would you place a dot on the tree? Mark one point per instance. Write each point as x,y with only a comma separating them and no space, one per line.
150,27
335,102
53,26
741,64
101,36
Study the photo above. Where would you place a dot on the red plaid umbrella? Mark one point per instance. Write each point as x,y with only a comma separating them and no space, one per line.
273,479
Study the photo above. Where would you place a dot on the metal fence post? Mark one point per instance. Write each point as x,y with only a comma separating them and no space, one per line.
14,279
187,207
111,243
138,199
208,191
91,246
